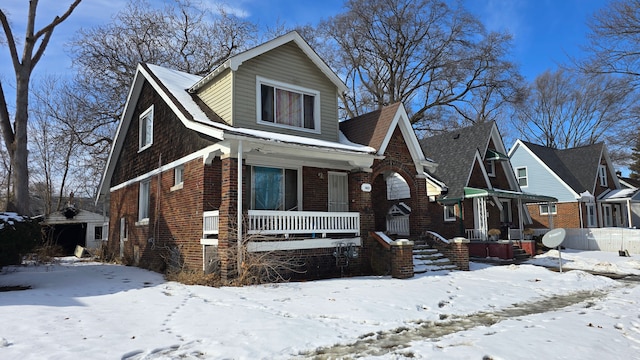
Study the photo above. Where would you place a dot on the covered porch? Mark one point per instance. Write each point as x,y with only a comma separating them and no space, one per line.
496,197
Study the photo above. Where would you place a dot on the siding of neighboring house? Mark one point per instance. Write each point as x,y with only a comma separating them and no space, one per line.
540,180
217,95
287,64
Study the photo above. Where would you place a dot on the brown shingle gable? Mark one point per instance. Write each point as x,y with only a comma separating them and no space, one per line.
371,128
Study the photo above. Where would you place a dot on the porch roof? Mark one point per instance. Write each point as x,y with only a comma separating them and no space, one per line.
619,195
471,192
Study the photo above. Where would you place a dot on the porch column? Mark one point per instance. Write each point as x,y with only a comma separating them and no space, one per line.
227,238
360,201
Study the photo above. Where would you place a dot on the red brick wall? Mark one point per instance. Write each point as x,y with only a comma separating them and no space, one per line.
175,217
568,216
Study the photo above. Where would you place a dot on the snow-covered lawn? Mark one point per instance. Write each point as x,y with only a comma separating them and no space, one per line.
87,310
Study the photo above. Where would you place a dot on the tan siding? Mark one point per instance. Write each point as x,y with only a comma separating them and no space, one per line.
217,95
287,64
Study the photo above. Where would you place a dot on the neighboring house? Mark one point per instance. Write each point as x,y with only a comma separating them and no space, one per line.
583,180
252,158
474,189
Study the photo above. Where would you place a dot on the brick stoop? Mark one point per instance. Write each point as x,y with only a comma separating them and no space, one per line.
425,259
519,254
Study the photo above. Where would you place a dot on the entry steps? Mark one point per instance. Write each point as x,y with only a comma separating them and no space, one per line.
427,259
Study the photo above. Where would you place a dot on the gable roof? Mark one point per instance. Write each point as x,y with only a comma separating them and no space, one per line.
456,153
235,61
577,167
172,85
374,129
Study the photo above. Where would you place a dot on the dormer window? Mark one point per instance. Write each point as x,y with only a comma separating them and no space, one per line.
602,175
287,105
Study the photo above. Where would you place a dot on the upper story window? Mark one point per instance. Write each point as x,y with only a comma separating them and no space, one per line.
146,129
490,166
521,176
602,175
288,105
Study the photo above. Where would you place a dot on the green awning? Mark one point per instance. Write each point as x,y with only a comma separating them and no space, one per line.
495,155
470,192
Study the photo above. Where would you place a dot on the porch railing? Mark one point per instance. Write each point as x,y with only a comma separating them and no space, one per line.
475,234
210,222
398,225
267,222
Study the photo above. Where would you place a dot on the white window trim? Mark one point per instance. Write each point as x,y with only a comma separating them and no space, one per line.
554,210
178,184
602,175
591,222
142,146
526,170
491,173
448,218
144,220
293,88
607,219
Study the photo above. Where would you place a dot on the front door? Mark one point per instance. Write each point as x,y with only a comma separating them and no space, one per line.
338,192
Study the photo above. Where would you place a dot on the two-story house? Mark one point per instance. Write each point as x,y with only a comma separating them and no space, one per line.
252,158
583,180
474,190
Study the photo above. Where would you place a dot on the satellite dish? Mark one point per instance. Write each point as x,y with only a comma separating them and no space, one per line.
554,238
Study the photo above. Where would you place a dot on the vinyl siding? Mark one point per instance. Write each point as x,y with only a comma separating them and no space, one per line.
286,64
540,180
217,95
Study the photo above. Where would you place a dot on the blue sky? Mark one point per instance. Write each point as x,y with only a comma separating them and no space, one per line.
544,31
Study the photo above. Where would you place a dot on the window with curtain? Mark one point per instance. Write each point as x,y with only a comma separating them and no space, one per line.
287,107
274,188
338,192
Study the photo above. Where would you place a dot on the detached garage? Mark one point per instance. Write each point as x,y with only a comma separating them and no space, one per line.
71,226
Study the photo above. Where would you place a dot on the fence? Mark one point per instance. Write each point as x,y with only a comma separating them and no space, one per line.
604,239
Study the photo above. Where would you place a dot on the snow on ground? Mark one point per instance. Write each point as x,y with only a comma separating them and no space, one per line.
79,309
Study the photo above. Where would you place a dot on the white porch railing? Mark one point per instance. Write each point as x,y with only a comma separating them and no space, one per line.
210,222
398,225
475,234
267,222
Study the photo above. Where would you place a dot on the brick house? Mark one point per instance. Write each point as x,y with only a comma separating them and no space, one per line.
474,189
252,158
584,181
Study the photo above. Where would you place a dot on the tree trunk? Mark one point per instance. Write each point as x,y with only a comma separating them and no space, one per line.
21,152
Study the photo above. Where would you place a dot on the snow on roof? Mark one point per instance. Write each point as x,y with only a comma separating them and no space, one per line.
618,194
177,83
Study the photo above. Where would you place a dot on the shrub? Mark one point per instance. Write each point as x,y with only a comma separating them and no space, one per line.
19,235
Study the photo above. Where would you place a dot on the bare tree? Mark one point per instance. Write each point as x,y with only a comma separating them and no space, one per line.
568,109
614,40
439,61
15,136
179,35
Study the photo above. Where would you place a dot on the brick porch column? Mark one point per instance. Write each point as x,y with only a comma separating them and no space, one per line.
227,238
360,201
460,252
402,259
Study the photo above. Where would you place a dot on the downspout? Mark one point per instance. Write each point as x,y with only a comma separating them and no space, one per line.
461,217
629,212
239,208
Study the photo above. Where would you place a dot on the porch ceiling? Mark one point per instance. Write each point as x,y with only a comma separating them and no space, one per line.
470,192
